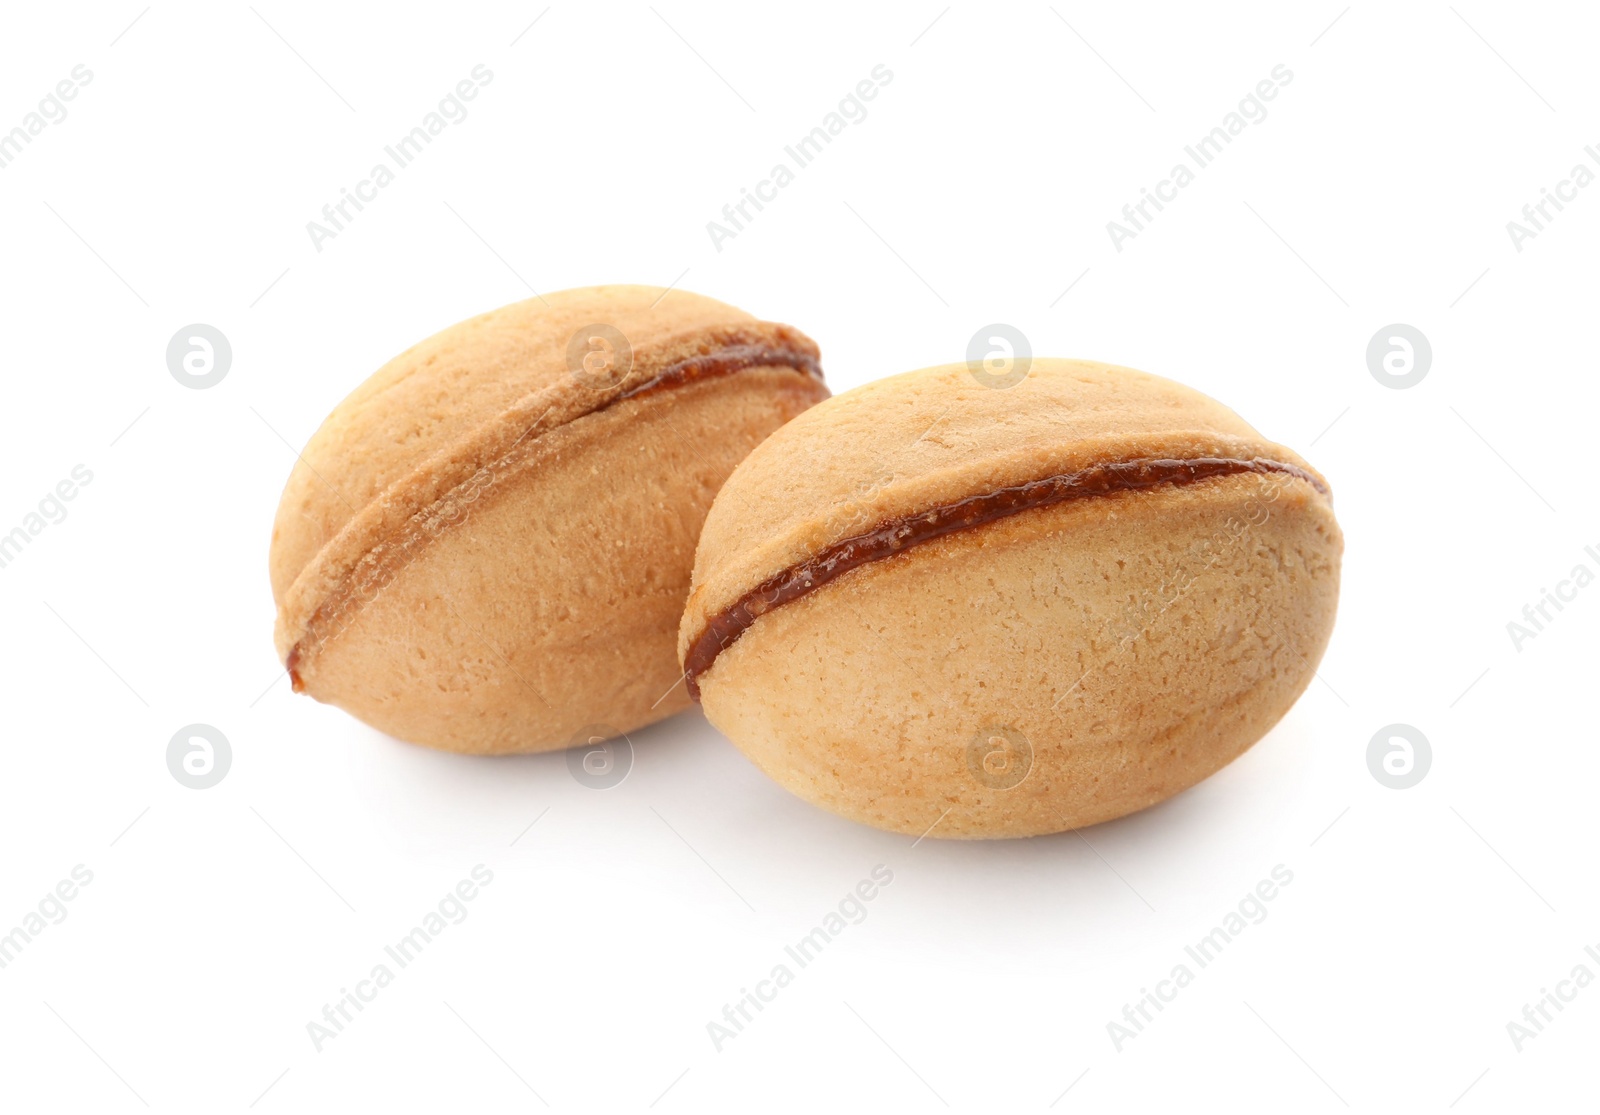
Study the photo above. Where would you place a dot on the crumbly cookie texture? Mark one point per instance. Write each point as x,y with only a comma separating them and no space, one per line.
483,551
1041,670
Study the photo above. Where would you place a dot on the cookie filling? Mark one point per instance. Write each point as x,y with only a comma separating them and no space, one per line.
898,535
722,362
742,353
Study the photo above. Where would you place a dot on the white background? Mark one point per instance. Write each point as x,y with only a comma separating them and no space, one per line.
978,188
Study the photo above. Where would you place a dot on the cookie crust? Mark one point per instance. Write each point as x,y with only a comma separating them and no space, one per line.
487,545
1067,662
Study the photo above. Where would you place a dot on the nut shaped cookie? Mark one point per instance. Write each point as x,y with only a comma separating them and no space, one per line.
486,547
941,607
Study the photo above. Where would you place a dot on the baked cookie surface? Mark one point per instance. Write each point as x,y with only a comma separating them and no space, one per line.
487,545
1011,611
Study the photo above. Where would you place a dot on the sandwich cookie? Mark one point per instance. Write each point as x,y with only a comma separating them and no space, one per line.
935,606
487,546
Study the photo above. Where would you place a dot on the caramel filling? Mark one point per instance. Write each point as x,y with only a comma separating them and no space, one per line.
899,535
723,361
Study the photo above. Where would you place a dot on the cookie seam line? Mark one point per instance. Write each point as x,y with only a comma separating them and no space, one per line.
896,536
753,346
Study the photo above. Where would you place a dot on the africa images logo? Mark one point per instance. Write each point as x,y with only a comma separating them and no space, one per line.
1536,616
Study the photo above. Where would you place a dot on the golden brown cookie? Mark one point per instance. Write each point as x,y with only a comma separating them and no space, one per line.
486,547
936,606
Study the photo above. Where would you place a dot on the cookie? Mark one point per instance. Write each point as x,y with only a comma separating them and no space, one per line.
941,607
487,546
